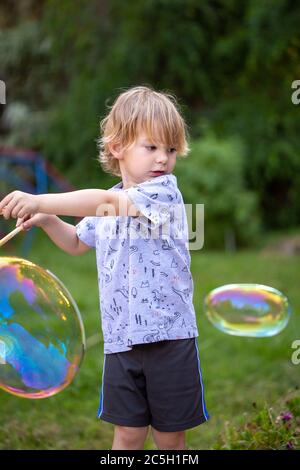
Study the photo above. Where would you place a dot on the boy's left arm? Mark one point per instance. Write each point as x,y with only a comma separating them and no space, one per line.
85,202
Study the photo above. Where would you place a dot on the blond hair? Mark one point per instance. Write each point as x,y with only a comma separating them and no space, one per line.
141,109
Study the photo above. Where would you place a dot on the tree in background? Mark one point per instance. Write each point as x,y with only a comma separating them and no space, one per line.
213,175
231,64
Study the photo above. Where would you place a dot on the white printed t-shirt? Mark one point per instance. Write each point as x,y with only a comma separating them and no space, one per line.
143,264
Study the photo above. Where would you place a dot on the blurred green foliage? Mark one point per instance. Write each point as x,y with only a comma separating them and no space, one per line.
214,176
231,64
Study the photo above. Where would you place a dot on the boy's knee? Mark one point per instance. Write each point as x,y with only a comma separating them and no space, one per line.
131,436
169,440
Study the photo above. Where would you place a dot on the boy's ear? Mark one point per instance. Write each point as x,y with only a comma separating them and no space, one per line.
116,150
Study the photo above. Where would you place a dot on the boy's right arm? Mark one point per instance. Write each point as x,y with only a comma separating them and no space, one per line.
61,233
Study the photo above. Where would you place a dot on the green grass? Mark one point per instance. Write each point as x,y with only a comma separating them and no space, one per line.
237,371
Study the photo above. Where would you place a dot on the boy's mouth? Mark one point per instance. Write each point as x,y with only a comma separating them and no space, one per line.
157,173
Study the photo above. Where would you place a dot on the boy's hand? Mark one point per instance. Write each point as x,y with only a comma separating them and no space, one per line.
39,220
19,204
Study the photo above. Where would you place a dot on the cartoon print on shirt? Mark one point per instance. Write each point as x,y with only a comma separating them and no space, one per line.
152,337
111,250
138,272
154,263
120,341
184,294
116,308
106,274
138,320
123,291
125,275
108,315
144,284
157,295
90,226
162,273
165,182
133,249
166,245
167,323
134,292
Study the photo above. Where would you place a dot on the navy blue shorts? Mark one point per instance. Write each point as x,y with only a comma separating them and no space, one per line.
158,384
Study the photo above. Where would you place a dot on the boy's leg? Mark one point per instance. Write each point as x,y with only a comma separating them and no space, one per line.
174,391
123,400
129,438
169,440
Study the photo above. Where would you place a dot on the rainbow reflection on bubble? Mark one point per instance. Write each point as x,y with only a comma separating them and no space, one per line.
42,339
247,310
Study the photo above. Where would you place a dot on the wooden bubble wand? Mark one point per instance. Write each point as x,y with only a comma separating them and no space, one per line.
10,235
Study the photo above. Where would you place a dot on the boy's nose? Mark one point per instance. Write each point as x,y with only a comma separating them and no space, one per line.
162,157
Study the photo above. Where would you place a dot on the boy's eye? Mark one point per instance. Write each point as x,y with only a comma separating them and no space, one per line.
152,147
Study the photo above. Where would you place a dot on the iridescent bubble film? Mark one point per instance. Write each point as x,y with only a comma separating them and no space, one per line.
247,309
42,338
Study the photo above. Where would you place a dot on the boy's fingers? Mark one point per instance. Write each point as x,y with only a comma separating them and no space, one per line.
5,201
19,221
28,221
23,219
24,226
5,214
17,210
7,209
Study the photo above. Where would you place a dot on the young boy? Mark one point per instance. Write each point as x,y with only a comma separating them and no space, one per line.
151,371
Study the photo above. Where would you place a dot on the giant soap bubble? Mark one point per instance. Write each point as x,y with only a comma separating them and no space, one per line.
42,337
247,309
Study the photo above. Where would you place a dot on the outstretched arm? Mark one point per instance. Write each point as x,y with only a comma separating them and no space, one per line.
61,233
85,202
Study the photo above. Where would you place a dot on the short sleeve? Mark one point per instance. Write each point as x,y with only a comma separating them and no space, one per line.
154,199
86,230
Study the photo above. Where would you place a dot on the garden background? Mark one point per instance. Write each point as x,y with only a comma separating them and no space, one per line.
231,64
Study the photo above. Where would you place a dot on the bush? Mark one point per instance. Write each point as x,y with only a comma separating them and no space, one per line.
213,176
270,429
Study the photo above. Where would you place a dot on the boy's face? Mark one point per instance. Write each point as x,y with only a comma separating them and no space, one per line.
144,160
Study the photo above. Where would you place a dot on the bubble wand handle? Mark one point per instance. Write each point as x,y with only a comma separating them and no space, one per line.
10,235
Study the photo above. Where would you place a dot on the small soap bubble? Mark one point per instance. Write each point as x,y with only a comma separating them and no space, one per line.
251,310
42,339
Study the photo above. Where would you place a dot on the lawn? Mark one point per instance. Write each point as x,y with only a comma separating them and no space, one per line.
237,372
